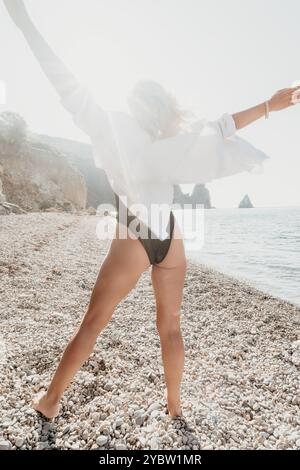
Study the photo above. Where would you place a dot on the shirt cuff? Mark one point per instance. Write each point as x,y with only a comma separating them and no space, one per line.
227,125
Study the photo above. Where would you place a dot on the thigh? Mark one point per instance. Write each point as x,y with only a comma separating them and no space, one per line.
124,263
169,275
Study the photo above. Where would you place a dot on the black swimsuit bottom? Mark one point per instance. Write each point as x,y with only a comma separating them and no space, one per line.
156,249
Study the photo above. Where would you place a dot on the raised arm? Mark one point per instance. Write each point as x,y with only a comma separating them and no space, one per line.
76,99
58,74
281,100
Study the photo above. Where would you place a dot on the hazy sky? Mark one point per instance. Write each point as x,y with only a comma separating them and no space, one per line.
217,56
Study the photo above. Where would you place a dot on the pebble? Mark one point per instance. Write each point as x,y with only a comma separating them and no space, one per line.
153,407
154,443
121,446
118,422
142,441
5,445
101,440
108,386
19,441
6,424
42,445
95,417
66,429
139,417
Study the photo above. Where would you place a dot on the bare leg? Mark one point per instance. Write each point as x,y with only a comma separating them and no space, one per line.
168,281
119,273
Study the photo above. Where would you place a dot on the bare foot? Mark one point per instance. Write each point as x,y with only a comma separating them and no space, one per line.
175,412
41,403
173,407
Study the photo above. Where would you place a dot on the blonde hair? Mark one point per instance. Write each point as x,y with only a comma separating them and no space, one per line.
154,107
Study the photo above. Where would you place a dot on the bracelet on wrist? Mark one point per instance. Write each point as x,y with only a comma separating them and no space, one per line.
267,109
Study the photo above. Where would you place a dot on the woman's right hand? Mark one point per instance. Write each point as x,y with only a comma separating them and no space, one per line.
17,12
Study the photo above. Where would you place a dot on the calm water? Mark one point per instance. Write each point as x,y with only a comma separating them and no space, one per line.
261,246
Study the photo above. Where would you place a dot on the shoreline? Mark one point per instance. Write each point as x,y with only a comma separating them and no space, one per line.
241,383
243,281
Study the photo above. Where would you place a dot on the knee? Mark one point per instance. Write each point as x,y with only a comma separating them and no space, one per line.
94,321
168,325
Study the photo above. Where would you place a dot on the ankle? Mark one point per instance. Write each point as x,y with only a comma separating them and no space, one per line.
52,398
173,399
174,411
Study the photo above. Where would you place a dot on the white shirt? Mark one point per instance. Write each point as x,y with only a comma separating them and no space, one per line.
144,171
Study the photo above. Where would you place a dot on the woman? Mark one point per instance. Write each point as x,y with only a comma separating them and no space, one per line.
144,153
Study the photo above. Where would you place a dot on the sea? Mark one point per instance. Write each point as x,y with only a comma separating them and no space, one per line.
259,245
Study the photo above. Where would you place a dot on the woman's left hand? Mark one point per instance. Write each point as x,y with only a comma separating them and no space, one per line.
285,98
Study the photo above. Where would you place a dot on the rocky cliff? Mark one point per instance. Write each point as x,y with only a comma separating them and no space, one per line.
80,156
38,179
35,176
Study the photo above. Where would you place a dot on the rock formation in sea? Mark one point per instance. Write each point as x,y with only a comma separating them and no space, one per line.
246,203
200,195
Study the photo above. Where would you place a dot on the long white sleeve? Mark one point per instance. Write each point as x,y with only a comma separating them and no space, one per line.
211,150
76,99
227,125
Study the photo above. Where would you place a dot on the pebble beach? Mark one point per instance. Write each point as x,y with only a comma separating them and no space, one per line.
241,383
